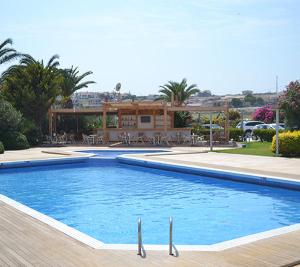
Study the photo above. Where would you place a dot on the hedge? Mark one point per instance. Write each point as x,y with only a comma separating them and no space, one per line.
234,133
289,143
265,135
1,148
14,141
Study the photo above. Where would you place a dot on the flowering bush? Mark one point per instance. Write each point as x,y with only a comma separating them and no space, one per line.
265,114
289,101
289,143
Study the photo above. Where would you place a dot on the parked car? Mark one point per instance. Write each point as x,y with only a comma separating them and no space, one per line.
248,126
281,126
262,126
213,126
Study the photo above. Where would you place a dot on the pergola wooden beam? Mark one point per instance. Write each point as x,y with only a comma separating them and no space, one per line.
77,111
197,109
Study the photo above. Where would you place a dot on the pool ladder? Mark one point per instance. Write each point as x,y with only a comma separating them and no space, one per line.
141,250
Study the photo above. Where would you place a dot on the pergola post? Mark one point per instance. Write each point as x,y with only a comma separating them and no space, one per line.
50,122
54,122
165,119
210,132
226,126
119,118
136,117
154,118
104,123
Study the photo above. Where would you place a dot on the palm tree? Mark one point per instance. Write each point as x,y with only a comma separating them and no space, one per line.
32,87
181,91
7,54
73,81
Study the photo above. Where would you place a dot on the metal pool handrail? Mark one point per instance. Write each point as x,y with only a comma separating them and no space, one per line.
140,237
171,237
140,243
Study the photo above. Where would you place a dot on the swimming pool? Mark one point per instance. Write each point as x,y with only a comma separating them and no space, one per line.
104,198
115,153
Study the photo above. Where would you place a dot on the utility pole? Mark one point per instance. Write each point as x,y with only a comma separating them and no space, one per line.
277,120
210,132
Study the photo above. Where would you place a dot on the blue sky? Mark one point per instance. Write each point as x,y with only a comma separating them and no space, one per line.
222,45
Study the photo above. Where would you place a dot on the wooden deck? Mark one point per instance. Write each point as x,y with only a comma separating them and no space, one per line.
25,241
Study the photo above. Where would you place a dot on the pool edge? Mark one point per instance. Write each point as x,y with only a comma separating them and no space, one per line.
43,162
238,176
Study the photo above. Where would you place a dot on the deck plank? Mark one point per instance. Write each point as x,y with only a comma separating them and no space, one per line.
25,241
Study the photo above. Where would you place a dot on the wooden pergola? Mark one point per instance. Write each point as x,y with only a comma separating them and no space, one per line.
162,114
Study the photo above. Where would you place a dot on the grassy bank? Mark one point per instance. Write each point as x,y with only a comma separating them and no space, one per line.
253,148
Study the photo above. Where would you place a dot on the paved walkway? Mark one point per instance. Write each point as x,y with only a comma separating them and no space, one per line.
280,167
39,153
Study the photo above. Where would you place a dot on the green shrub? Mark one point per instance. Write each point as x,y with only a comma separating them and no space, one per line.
200,131
10,125
31,131
289,143
203,131
1,148
236,134
10,118
265,135
14,141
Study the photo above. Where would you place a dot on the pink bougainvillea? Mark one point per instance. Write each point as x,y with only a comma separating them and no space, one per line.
289,102
265,114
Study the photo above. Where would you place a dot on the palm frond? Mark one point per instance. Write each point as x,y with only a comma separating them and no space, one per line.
53,62
83,85
6,51
192,86
27,60
9,57
6,42
73,81
82,76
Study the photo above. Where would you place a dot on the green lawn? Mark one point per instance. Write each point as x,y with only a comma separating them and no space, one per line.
253,148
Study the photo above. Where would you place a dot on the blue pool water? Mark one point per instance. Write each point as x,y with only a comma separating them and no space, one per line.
115,153
104,198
